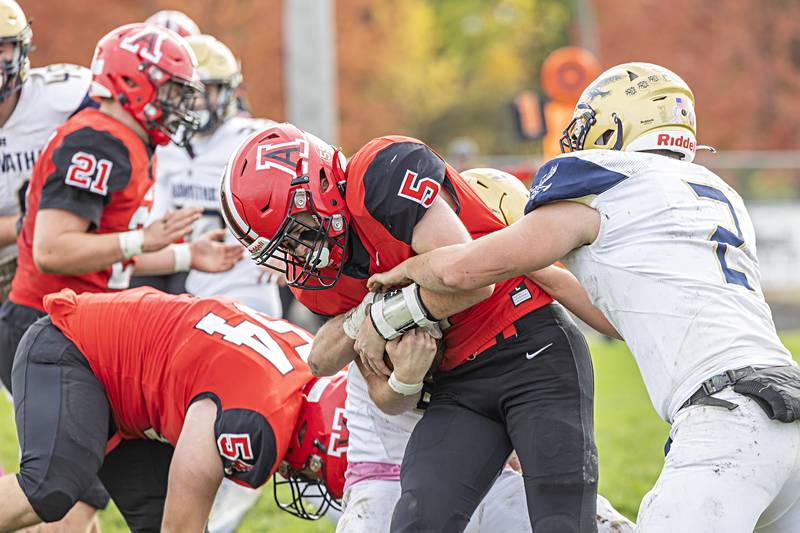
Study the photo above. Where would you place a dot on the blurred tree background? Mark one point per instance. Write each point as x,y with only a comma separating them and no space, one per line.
441,69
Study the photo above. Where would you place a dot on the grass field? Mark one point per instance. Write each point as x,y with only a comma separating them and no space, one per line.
630,437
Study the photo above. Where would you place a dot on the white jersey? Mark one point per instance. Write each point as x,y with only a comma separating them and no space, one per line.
48,97
673,267
375,437
193,180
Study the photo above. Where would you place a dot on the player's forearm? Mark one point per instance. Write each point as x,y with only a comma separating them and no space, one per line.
77,253
564,287
442,305
8,230
156,263
331,350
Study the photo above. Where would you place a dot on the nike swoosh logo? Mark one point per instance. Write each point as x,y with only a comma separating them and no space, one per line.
537,352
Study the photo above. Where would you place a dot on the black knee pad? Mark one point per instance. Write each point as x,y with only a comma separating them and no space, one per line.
412,515
564,455
51,504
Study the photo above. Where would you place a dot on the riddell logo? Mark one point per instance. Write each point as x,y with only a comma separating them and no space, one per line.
665,139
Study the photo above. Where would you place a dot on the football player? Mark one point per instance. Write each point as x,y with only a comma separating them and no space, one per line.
514,364
377,439
32,103
160,397
666,249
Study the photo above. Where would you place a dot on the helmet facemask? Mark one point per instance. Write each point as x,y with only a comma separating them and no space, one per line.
306,487
213,113
574,137
172,113
13,70
323,238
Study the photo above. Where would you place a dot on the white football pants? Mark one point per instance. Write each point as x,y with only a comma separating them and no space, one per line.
368,508
727,472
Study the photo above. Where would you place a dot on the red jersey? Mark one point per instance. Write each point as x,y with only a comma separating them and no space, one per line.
156,353
391,182
98,169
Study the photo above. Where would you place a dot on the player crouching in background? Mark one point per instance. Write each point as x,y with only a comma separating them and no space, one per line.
199,389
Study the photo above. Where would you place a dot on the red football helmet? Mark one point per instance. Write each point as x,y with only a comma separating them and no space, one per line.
152,72
315,464
174,20
283,198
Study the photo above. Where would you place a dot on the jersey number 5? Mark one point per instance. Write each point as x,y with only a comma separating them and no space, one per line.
420,190
723,237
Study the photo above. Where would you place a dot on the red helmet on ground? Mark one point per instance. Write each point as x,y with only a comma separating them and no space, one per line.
315,464
152,72
174,20
283,198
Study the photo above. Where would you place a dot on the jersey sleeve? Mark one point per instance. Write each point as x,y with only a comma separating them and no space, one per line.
66,87
89,165
400,184
578,179
246,445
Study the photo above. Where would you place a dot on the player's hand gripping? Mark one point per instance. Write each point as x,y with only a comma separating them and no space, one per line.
412,355
370,346
173,226
211,254
385,281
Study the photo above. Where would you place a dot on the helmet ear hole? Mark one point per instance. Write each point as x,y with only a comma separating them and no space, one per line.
603,139
323,180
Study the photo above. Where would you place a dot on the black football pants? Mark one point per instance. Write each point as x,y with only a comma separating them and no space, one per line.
64,422
533,393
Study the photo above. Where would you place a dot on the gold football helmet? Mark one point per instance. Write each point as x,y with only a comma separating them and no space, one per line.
503,193
634,107
216,66
14,29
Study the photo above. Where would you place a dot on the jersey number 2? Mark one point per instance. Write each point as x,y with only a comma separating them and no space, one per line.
723,237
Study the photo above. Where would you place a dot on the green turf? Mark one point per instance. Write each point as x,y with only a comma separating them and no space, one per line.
630,438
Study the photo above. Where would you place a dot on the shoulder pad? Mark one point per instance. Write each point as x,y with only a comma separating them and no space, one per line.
61,86
581,176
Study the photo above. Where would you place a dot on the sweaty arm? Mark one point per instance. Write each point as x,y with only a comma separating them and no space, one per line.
561,285
63,244
440,227
195,472
536,241
331,349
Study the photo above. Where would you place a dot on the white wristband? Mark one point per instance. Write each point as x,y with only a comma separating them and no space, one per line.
403,388
131,243
183,256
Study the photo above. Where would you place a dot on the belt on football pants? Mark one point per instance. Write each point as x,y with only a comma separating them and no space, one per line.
705,394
